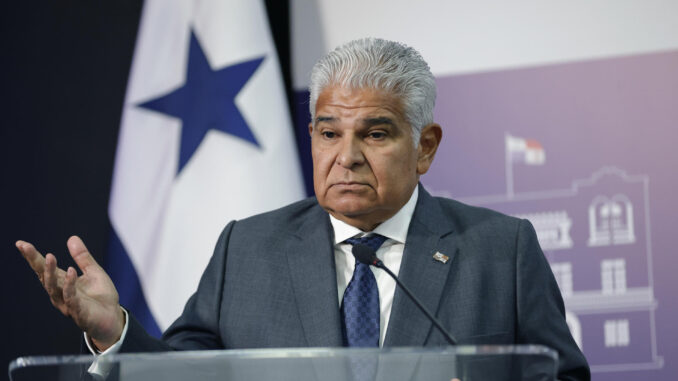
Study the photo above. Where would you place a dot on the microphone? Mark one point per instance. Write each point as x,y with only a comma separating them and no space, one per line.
365,254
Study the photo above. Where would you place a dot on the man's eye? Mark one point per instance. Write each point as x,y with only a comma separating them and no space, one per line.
377,135
328,134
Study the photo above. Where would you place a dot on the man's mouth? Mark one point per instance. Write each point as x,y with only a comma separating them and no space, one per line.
349,185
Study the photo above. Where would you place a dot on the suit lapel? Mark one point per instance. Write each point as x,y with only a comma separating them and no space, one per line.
425,276
312,269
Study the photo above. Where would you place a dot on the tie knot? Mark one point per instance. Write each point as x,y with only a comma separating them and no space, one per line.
374,241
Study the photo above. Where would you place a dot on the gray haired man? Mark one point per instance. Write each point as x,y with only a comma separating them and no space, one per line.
280,279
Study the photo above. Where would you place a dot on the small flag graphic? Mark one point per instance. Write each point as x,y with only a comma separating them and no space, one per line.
527,151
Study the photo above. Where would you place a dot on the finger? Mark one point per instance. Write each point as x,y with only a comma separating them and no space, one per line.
49,276
50,279
69,290
80,254
32,256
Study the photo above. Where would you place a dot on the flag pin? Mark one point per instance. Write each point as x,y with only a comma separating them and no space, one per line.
440,257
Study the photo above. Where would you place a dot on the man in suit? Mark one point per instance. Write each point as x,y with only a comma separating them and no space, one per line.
287,278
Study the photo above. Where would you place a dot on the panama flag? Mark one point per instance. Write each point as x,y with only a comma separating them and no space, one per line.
527,151
205,138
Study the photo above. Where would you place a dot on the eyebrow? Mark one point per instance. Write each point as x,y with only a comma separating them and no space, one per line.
369,122
324,119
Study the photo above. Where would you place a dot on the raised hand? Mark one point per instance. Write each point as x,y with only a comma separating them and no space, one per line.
90,299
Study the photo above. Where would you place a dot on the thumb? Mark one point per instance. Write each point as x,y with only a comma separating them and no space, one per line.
80,254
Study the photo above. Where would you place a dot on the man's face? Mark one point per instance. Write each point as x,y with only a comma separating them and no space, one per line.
365,165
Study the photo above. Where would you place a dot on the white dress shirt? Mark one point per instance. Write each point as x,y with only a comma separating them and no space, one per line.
391,253
100,370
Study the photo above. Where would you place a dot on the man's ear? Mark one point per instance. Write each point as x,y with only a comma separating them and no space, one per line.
310,129
429,141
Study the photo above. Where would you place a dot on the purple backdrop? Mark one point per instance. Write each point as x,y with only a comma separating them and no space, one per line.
603,202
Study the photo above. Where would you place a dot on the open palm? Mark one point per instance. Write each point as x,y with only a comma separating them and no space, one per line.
90,299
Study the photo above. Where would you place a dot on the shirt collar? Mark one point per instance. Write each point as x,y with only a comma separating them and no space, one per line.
394,228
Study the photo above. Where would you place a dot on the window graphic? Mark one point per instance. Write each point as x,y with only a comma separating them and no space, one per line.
613,276
611,221
617,333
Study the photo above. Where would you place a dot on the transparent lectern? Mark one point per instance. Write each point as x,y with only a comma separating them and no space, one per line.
467,363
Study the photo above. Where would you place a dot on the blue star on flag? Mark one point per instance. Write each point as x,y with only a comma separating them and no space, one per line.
207,101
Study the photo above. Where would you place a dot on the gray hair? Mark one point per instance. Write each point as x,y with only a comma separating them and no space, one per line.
382,65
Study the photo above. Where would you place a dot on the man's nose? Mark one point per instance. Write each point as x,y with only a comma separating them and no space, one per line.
350,152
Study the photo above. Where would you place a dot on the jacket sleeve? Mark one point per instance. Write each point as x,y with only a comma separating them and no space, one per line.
540,308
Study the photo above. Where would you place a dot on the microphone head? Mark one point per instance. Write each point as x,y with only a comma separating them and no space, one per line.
364,254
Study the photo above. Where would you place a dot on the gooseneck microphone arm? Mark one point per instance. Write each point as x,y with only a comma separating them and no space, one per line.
365,254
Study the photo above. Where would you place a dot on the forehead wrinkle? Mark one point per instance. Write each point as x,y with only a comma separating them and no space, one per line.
351,105
378,113
342,105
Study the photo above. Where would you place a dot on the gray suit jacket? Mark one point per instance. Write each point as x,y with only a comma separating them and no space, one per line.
271,283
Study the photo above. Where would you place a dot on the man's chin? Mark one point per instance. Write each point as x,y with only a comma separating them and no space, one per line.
350,212
349,205
358,218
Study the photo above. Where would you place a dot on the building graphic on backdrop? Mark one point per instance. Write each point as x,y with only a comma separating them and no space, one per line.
596,236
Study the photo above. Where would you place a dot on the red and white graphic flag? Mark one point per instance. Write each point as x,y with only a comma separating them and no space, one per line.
527,151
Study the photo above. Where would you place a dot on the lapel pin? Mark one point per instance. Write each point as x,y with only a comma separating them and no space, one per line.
440,257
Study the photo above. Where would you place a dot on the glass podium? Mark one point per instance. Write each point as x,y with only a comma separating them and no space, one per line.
467,363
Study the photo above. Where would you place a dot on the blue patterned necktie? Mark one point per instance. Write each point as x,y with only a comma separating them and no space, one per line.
360,305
